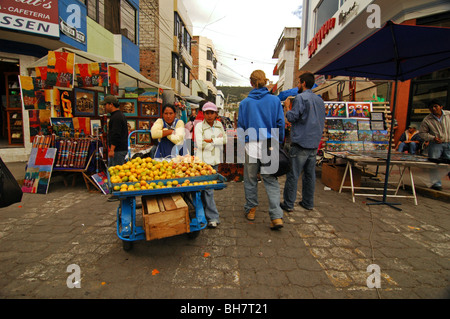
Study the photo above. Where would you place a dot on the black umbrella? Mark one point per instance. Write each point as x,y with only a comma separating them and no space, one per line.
395,52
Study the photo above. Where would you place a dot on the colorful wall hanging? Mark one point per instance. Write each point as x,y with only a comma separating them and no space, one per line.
113,80
92,74
60,69
28,93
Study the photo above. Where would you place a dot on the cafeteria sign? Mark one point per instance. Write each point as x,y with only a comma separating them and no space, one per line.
34,16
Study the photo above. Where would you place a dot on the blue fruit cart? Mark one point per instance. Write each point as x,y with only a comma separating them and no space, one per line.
128,231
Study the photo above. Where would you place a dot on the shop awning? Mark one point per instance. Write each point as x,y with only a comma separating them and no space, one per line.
128,77
365,90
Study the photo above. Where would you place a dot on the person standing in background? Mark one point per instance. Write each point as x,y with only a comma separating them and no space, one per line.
117,134
210,138
263,113
307,118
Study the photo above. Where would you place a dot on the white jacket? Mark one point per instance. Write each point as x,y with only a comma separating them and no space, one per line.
210,153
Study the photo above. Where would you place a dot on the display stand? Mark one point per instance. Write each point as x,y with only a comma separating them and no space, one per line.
76,161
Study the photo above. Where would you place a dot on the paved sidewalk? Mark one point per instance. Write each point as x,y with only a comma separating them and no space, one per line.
323,253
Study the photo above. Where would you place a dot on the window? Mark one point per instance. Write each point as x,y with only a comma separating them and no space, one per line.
174,66
209,54
324,11
209,75
116,16
92,9
181,32
186,73
128,21
426,88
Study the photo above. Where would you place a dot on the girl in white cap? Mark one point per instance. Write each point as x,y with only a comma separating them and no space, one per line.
210,138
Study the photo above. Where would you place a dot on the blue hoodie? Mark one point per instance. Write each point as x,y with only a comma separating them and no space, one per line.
261,110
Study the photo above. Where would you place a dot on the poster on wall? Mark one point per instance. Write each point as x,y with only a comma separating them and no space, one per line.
39,170
60,69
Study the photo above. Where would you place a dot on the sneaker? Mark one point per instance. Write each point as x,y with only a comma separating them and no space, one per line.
303,205
251,214
276,224
113,198
436,187
284,207
212,224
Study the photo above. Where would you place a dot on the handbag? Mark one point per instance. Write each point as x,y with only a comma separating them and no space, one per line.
284,162
10,191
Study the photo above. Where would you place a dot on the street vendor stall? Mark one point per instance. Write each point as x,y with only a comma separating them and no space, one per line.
170,191
61,99
335,176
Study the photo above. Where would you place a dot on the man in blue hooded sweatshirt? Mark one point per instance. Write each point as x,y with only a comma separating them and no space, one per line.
260,122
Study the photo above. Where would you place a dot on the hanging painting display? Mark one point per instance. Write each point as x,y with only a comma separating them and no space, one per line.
28,92
92,74
113,80
60,69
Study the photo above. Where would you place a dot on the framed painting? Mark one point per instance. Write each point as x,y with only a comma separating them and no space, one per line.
377,116
377,125
96,126
128,106
101,108
150,109
131,126
360,110
84,103
39,170
144,138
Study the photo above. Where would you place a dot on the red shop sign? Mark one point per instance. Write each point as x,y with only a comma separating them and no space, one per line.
35,16
320,35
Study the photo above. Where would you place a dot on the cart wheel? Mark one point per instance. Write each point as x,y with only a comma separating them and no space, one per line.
127,245
193,235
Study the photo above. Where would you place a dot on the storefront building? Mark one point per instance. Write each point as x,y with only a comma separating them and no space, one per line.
332,27
28,30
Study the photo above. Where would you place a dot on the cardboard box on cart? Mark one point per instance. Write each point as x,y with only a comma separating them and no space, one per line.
332,176
164,216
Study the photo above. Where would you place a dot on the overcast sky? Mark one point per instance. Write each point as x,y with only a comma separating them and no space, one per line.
244,33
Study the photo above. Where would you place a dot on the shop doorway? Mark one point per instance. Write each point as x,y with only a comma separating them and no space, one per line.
9,85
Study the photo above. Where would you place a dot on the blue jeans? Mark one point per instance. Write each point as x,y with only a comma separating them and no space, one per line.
251,170
209,204
410,147
436,151
302,160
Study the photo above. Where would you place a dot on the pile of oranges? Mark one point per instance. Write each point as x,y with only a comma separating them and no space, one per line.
140,172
